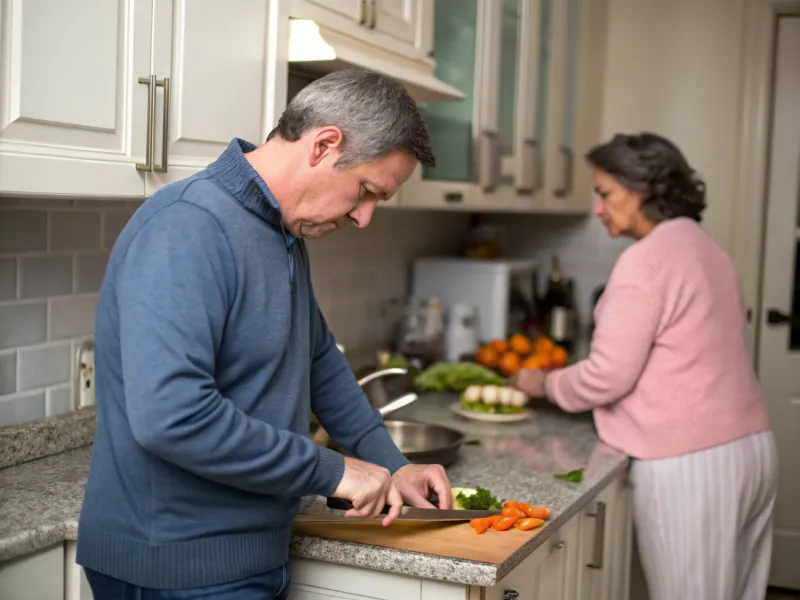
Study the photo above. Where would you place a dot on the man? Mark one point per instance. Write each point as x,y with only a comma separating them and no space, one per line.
211,351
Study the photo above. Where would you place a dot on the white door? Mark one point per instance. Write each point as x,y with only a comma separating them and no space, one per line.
779,346
219,60
352,9
397,18
70,104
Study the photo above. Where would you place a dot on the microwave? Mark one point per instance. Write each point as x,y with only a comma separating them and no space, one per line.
502,291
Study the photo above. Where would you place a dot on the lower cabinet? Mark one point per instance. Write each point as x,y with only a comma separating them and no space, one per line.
37,576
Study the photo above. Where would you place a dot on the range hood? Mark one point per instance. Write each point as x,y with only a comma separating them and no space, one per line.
318,49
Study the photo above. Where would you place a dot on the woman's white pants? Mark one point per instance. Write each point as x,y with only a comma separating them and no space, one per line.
704,520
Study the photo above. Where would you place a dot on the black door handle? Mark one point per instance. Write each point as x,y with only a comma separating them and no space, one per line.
777,317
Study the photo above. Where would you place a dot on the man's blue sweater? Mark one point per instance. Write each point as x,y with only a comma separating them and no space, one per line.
210,350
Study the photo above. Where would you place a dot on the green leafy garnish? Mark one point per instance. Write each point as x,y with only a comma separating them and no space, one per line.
574,476
472,443
482,499
455,377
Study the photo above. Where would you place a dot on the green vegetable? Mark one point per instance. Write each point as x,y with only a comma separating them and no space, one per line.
455,377
398,361
472,443
477,499
493,409
574,476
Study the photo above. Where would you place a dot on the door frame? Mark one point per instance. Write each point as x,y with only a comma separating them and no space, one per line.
755,110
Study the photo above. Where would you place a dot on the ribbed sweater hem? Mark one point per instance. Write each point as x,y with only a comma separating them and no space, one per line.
181,565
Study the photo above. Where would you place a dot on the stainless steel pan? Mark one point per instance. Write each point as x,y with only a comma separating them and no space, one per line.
426,443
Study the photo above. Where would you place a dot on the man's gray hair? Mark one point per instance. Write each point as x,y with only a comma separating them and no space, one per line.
374,113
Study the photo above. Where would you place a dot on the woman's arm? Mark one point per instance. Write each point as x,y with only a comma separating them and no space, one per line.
626,329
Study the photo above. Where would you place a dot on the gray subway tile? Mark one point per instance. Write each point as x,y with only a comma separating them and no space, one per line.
59,400
74,230
8,372
17,409
91,268
40,366
23,231
23,324
42,276
8,278
72,317
113,224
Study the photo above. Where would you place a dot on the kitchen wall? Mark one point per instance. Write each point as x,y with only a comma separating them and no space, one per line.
52,261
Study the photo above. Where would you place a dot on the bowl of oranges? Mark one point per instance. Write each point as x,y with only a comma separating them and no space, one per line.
520,352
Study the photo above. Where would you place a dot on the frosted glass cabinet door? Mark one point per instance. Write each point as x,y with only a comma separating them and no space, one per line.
510,66
451,124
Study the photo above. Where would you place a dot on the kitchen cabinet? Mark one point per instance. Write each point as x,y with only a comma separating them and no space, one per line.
38,576
529,71
403,27
76,586
144,93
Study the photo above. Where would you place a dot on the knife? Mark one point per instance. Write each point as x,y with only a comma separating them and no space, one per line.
408,514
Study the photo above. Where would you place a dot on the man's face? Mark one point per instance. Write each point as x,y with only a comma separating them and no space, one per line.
334,197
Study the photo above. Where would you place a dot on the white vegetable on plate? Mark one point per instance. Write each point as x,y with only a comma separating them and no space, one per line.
473,393
506,395
518,398
489,395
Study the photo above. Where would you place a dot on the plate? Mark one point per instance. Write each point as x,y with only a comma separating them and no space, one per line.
489,417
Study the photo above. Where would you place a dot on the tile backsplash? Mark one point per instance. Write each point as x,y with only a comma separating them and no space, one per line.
52,261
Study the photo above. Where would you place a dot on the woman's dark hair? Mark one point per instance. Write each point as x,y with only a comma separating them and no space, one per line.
652,165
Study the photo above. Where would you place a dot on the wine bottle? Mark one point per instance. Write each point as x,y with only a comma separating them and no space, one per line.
556,306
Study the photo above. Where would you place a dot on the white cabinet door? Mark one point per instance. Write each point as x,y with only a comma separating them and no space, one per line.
38,576
398,18
70,104
351,9
216,65
76,586
317,580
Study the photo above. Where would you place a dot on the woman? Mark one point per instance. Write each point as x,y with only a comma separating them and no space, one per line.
670,382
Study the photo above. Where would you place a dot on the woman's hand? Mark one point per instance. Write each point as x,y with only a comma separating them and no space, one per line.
530,381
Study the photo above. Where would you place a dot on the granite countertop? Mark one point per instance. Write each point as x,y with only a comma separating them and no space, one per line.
40,500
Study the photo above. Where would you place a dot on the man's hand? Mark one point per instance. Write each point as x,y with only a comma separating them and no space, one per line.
530,381
414,482
369,488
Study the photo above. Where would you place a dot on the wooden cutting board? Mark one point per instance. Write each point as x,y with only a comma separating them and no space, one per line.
439,539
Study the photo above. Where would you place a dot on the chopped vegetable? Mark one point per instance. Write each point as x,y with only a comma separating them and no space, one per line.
504,524
574,476
480,525
513,511
528,523
493,399
537,512
472,443
477,499
455,377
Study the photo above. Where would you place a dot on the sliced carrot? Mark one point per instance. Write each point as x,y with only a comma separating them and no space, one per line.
528,524
504,524
537,512
513,511
479,525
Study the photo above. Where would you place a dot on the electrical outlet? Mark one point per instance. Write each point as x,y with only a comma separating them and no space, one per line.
84,375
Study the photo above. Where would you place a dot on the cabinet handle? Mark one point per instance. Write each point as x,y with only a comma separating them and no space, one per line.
165,126
150,82
362,13
560,545
599,536
566,188
373,20
529,182
489,158
510,595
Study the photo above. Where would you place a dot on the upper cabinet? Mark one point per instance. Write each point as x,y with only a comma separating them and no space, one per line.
142,93
530,72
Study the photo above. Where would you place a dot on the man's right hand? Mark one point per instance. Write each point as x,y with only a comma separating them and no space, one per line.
369,488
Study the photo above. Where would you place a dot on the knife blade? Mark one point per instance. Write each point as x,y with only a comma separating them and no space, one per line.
408,514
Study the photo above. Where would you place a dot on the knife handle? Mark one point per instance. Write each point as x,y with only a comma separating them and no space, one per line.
341,504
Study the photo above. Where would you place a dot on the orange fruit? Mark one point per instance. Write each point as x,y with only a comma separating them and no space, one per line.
509,364
536,361
499,346
558,356
543,345
519,344
487,357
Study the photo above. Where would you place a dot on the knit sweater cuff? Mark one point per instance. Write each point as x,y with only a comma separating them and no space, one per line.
378,448
328,472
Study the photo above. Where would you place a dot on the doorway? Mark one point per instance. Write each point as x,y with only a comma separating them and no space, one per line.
779,340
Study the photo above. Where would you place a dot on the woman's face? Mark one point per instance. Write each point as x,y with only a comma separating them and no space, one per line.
617,207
